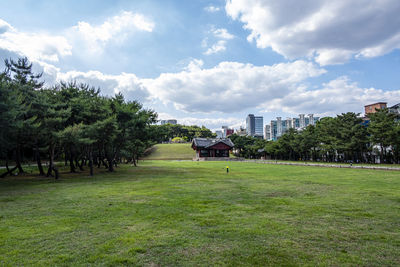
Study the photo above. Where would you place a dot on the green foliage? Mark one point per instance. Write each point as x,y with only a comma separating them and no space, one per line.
168,131
69,121
383,130
247,146
177,140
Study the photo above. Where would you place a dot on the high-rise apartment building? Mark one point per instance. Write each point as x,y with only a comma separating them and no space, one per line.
267,132
278,127
250,125
254,125
259,126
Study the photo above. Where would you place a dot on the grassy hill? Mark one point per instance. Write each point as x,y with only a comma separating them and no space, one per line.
169,213
171,152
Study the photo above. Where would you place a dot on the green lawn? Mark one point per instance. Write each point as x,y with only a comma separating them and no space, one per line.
171,152
171,213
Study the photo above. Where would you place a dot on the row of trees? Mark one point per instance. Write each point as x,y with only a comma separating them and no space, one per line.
167,132
340,139
69,121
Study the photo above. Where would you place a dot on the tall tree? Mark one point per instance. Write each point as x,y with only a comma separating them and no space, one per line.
24,84
382,130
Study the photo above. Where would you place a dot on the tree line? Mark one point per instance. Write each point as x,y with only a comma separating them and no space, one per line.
167,132
70,122
344,138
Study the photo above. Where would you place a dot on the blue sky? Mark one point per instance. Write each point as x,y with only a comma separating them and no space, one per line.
213,62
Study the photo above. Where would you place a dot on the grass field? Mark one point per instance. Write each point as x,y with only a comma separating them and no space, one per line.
171,152
169,213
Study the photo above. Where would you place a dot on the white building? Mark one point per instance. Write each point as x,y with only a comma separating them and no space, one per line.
278,127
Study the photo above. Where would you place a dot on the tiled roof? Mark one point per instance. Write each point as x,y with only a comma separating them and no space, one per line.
208,142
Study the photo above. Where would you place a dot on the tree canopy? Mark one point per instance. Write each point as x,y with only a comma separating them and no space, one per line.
69,121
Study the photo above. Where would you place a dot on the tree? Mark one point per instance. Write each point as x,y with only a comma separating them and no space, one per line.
382,130
24,85
8,124
352,136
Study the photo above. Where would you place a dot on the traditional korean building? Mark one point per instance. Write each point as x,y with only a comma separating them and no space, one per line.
209,147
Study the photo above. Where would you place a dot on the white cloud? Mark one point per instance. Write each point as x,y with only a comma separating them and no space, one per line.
331,31
229,86
222,34
337,96
115,28
126,83
36,46
84,38
4,26
216,48
212,9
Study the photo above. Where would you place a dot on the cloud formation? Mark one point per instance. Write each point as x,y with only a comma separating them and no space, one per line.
126,83
229,86
114,28
331,32
36,46
334,97
212,9
219,46
221,36
45,47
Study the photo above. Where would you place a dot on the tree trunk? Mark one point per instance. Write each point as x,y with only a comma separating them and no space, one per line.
18,160
79,165
110,165
71,162
9,171
38,161
104,163
91,162
51,164
134,160
99,161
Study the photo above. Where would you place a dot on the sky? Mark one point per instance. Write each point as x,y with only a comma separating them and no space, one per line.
211,63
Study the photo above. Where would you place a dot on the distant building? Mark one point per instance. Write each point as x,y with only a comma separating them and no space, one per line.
254,125
209,147
278,127
227,131
250,124
162,122
395,109
259,126
241,132
219,134
371,108
267,132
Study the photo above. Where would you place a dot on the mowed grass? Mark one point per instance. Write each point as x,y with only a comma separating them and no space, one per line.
171,152
171,213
